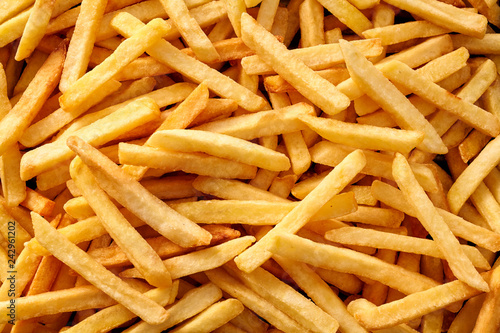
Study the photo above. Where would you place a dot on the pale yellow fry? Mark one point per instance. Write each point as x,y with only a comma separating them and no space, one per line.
199,261
5,105
336,180
82,42
393,34
52,302
311,23
321,293
473,175
169,55
126,237
316,57
196,163
130,49
488,44
220,145
348,261
445,15
98,133
364,136
385,94
321,92
233,189
114,316
412,306
210,319
192,303
36,61
391,241
234,10
257,212
267,12
435,225
9,8
35,28
18,119
95,273
466,318
190,30
253,301
348,14
261,124
487,319
465,111
298,152
138,199
13,188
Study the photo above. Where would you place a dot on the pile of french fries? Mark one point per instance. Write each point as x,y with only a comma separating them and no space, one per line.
250,166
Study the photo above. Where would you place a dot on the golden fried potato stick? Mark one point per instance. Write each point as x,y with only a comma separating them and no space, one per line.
128,239
377,87
18,119
13,188
139,200
336,180
168,54
318,90
435,225
95,273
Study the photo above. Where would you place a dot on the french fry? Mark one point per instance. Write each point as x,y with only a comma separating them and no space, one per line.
385,240
467,112
348,14
40,88
435,225
293,221
180,230
266,46
221,145
359,264
94,272
234,10
172,57
378,88
13,188
470,179
35,27
130,49
140,253
82,42
398,33
445,15
311,23
97,133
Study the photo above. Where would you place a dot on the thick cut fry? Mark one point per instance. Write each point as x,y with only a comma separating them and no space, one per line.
261,124
82,42
257,212
139,200
445,15
98,133
386,240
213,317
348,14
488,44
398,33
364,136
234,10
130,49
128,239
197,163
348,261
114,316
311,23
220,145
18,119
473,175
435,225
467,112
35,28
169,55
316,57
192,303
253,301
190,30
411,306
377,87
318,90
93,272
13,188
299,216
